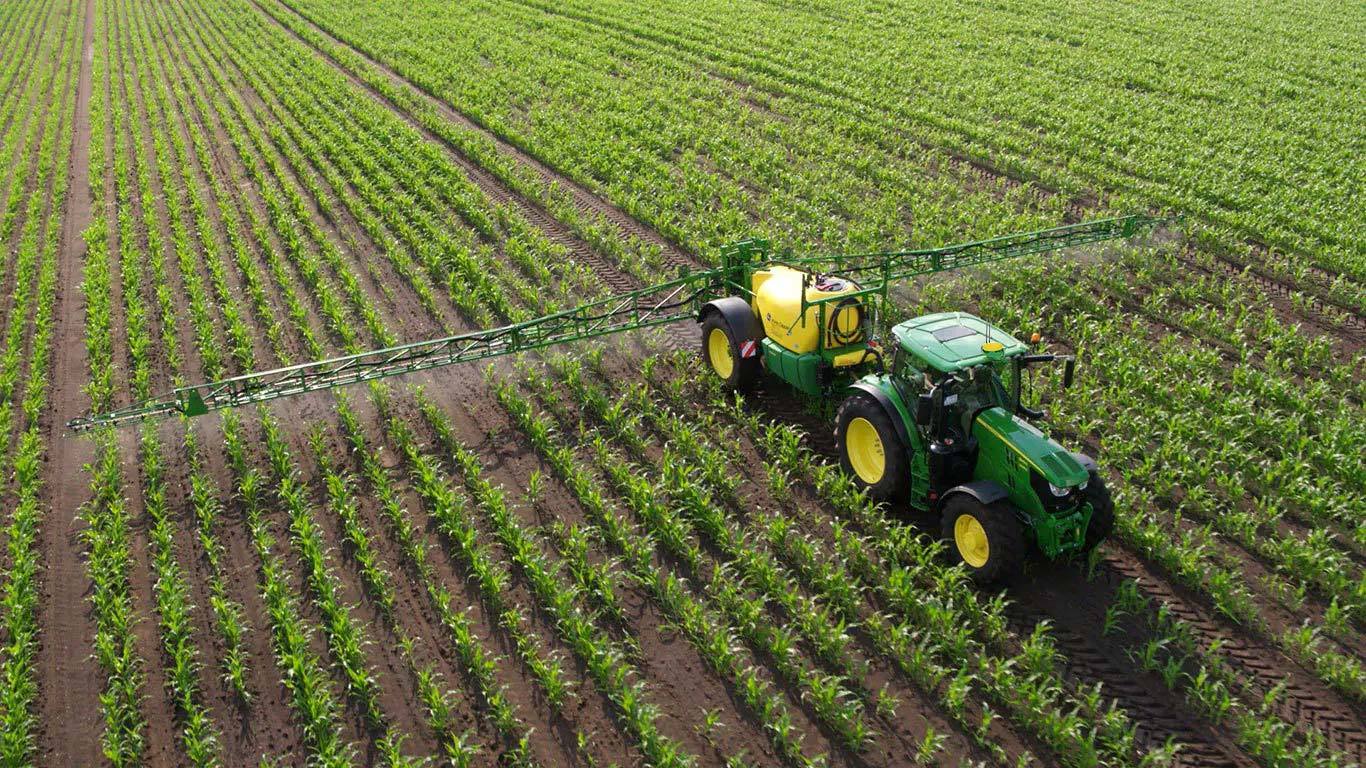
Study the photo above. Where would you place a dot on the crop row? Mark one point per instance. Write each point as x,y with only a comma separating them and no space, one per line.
55,61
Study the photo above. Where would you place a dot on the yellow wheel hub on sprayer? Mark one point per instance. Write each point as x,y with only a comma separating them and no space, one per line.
971,539
719,354
864,446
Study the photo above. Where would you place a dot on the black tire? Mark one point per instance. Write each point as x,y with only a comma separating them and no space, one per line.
1006,544
863,412
744,371
1102,513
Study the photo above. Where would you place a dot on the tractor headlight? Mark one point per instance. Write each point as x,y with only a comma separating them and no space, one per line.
1084,483
1058,491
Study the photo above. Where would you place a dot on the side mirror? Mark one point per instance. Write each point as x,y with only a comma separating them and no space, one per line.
924,409
1069,370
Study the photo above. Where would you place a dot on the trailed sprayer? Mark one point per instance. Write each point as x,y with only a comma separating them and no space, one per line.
928,412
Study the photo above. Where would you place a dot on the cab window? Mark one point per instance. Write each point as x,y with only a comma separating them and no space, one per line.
983,390
904,366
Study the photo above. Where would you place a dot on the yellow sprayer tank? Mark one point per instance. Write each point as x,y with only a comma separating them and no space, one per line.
778,302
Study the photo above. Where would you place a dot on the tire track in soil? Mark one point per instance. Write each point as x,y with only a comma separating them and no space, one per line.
1130,303
1159,713
1307,702
1076,207
1304,704
680,45
1351,332
1214,753
68,679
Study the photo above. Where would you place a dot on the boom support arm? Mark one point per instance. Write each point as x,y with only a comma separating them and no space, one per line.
667,302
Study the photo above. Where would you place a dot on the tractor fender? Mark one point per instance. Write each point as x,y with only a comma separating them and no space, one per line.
885,401
738,315
984,491
1087,463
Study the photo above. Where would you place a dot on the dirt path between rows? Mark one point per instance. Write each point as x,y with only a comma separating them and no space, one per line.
68,679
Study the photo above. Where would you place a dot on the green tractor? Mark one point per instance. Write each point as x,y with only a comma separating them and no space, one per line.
944,428
936,422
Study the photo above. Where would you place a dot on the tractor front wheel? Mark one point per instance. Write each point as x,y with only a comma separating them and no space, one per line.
870,451
1102,513
987,538
721,353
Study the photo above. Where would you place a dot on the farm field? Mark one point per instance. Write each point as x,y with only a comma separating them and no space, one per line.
593,555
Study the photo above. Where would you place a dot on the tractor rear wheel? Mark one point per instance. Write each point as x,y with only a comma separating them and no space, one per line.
870,451
1102,513
987,538
721,353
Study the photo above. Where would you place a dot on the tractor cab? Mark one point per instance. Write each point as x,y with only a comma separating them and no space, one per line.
961,361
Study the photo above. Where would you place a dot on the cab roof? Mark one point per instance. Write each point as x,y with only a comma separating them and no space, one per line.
951,341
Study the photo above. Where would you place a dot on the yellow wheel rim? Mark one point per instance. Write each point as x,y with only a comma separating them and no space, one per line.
719,354
971,539
864,446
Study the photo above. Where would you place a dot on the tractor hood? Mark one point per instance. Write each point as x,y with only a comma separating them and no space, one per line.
1037,451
